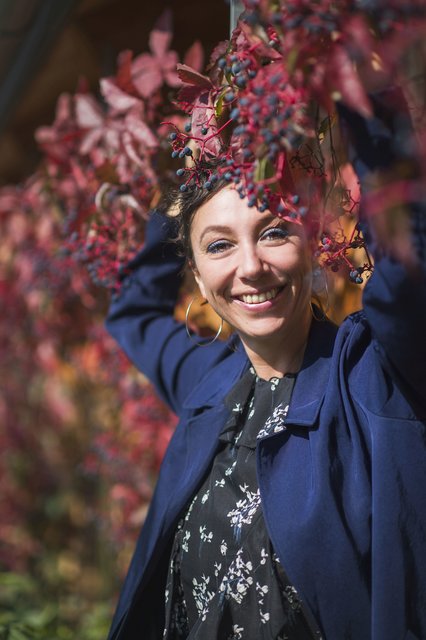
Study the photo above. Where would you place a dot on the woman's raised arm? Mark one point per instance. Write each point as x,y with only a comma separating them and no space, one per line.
141,318
394,299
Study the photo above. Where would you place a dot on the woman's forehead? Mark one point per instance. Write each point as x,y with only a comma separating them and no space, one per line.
227,210
228,207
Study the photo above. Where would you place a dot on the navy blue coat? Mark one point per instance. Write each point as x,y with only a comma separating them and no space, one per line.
343,486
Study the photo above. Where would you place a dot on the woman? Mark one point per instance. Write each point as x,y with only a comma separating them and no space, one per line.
291,501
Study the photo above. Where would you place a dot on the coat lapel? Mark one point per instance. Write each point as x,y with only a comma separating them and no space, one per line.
312,379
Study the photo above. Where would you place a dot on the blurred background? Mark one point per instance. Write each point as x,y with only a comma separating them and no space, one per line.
81,432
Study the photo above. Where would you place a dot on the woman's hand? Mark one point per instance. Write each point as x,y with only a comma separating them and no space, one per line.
385,155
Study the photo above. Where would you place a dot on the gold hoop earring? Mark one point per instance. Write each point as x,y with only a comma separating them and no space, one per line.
191,337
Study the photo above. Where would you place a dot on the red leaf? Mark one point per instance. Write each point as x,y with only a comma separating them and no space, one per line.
358,36
88,112
247,38
90,140
130,150
161,36
203,115
190,76
63,109
188,95
140,131
194,57
146,74
343,77
219,51
159,42
118,99
124,72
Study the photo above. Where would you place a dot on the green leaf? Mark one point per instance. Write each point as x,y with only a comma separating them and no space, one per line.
291,60
264,170
219,102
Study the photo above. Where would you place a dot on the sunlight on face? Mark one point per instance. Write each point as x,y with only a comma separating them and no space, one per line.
253,268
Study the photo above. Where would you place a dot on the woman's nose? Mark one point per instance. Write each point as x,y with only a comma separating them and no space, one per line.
250,265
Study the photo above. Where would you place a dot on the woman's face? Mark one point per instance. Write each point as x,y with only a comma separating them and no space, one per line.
253,268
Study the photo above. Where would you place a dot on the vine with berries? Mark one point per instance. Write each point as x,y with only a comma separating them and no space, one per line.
262,117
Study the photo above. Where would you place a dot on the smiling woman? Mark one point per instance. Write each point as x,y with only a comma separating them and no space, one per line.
290,502
256,272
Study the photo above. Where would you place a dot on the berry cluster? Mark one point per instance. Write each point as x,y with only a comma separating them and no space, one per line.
254,114
333,253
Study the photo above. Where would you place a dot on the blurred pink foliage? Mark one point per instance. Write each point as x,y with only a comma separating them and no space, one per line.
74,414
81,433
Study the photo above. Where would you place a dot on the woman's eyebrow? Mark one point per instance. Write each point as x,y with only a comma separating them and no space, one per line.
217,228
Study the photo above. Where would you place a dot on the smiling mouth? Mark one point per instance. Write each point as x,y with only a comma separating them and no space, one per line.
257,298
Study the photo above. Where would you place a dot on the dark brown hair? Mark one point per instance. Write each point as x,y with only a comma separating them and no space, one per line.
183,205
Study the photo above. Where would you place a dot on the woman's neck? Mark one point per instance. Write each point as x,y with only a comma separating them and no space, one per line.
275,358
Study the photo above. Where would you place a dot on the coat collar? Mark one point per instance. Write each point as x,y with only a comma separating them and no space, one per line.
311,381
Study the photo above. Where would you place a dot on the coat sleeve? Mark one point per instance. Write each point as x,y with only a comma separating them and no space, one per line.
141,318
394,299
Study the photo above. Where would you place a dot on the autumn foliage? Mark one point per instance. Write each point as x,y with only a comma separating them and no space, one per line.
82,433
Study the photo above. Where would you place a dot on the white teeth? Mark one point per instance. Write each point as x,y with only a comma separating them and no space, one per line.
257,298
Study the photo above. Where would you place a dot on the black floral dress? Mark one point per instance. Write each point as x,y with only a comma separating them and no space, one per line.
225,582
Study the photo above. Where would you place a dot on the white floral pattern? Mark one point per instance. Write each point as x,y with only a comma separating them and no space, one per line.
245,510
238,579
275,423
202,595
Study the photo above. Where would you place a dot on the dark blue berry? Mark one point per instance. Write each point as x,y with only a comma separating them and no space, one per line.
238,131
353,275
173,136
183,187
180,172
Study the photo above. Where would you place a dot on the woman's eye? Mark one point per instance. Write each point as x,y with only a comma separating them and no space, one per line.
275,233
218,246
